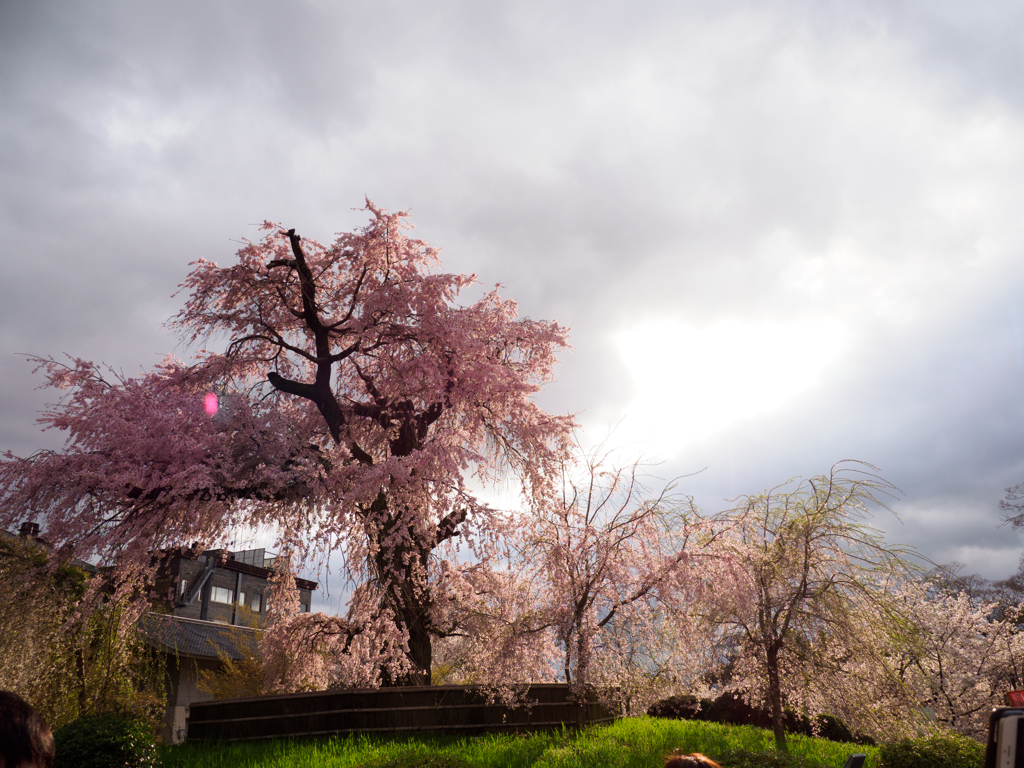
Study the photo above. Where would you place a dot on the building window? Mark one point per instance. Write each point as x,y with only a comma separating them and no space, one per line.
221,595
257,602
303,607
241,598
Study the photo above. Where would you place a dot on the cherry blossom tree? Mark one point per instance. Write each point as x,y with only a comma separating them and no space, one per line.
498,634
353,398
813,610
961,658
619,562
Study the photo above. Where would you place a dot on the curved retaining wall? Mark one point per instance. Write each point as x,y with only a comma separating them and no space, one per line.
427,709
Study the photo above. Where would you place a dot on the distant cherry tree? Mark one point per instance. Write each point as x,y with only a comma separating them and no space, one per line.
813,608
621,563
961,658
352,399
498,634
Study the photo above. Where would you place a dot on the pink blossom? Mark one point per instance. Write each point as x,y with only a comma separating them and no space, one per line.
355,392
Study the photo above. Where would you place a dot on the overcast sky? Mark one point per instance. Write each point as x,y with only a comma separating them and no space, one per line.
783,233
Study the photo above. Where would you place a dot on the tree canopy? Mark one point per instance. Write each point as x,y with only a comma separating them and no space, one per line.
354,395
616,559
813,604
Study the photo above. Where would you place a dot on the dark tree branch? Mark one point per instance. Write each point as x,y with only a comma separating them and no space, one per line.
446,529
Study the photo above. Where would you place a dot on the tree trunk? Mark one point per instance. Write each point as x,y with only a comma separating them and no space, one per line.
775,699
420,649
410,602
410,618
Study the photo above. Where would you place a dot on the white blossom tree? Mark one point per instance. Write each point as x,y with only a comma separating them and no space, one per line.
961,658
621,565
812,608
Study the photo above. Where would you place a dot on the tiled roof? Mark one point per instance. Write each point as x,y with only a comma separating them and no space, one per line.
195,638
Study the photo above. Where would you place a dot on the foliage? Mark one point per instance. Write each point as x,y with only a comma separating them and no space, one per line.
945,749
106,741
731,709
242,677
812,610
67,663
236,678
354,396
627,743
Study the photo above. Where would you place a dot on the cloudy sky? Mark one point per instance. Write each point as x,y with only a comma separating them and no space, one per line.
783,233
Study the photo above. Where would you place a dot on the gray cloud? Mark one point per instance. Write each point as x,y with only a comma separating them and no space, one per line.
686,163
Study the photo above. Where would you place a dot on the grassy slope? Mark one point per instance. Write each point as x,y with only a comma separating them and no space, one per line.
629,743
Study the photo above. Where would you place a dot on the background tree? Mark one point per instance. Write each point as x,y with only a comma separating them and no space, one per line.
241,677
1008,595
499,636
961,658
813,590
66,663
354,395
617,560
1013,505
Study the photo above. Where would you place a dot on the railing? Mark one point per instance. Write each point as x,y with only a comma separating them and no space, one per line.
427,709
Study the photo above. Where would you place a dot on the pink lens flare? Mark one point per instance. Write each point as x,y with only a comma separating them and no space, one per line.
210,404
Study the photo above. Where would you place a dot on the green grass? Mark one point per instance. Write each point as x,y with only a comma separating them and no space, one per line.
629,743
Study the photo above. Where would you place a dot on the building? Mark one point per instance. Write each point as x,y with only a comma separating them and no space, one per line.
212,604
221,586
215,602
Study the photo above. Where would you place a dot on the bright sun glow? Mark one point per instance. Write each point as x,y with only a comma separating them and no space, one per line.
694,382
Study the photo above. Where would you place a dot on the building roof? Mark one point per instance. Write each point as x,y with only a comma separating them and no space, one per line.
243,562
196,639
263,573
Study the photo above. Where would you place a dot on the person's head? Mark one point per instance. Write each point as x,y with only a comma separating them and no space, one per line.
25,740
695,760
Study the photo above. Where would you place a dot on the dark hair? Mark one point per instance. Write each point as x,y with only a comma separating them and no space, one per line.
695,760
25,740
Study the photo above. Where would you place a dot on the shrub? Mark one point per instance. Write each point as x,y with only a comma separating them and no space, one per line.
832,728
731,709
684,707
945,749
106,741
